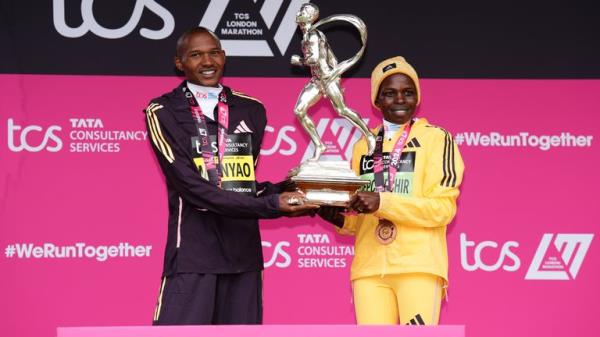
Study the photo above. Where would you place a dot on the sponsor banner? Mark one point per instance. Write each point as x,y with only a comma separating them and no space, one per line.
523,139
138,37
83,135
83,227
308,251
559,261
78,250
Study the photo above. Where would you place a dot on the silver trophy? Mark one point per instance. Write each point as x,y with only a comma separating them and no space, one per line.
326,182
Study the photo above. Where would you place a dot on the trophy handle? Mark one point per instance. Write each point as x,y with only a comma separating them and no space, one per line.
343,66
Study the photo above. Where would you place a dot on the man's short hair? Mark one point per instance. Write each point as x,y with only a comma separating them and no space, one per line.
190,32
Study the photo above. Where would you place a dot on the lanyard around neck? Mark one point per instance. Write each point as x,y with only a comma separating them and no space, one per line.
380,185
213,170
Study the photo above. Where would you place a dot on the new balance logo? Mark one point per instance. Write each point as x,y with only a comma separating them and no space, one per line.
560,261
242,128
418,320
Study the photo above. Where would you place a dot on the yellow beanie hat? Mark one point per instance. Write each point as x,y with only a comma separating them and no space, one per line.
394,65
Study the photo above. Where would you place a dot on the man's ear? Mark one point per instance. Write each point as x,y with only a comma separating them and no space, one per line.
178,64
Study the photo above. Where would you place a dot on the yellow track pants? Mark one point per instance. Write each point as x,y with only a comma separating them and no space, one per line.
412,298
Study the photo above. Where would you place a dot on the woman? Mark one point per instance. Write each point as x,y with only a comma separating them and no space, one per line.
400,269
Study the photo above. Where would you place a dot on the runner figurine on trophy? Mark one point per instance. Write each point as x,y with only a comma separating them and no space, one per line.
326,182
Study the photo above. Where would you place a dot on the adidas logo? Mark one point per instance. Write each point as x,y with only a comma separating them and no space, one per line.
413,143
242,128
418,320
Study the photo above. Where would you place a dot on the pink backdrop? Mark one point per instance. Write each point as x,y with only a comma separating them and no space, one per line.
523,257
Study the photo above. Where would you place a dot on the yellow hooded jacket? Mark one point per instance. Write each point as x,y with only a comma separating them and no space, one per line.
422,205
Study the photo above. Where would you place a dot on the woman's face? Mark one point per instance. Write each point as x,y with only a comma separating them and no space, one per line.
397,98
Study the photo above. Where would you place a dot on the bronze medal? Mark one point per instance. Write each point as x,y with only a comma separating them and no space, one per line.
385,232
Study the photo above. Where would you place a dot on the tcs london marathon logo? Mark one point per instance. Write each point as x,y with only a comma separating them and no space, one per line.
558,256
79,134
246,28
338,134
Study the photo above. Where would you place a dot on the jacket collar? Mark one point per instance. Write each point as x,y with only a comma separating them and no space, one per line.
179,96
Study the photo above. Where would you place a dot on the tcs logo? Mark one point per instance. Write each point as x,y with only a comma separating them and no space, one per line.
279,257
284,144
280,25
89,22
558,256
17,138
505,253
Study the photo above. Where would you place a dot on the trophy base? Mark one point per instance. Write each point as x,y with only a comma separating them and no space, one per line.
330,183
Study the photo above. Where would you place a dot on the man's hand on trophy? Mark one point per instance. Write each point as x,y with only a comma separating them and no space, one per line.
293,204
364,202
296,60
332,215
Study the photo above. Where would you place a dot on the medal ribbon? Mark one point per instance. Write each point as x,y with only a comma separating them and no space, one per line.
380,185
213,170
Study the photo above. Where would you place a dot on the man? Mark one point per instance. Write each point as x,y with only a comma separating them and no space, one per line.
207,138
400,268
326,74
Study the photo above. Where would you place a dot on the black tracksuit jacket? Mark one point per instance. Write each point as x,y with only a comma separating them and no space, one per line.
210,230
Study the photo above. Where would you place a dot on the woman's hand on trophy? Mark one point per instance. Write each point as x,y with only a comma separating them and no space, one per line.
364,202
293,204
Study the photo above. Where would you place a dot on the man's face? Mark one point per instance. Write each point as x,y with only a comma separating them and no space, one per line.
397,98
201,59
